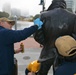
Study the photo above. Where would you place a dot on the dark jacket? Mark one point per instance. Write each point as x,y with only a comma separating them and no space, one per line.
57,22
7,40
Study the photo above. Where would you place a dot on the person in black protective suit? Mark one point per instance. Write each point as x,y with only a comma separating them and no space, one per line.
58,21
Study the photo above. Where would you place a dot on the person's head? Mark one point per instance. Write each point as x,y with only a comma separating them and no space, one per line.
57,4
6,23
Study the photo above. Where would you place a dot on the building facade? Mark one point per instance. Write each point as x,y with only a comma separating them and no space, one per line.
7,8
71,4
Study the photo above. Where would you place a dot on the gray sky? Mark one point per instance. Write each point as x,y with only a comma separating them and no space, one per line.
31,6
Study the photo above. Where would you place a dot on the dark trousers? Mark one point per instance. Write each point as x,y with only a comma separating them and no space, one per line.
15,70
45,66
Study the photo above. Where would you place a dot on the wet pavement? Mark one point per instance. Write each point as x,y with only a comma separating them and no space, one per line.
32,52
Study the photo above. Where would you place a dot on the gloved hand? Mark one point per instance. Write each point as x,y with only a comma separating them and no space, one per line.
38,22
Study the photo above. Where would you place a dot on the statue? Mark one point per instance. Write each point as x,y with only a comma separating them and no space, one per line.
58,22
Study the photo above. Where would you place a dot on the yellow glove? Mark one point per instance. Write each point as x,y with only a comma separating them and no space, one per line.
34,66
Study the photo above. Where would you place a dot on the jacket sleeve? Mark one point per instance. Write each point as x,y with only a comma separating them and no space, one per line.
12,36
39,35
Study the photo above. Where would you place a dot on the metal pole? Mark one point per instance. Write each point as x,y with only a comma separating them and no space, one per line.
15,22
43,4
